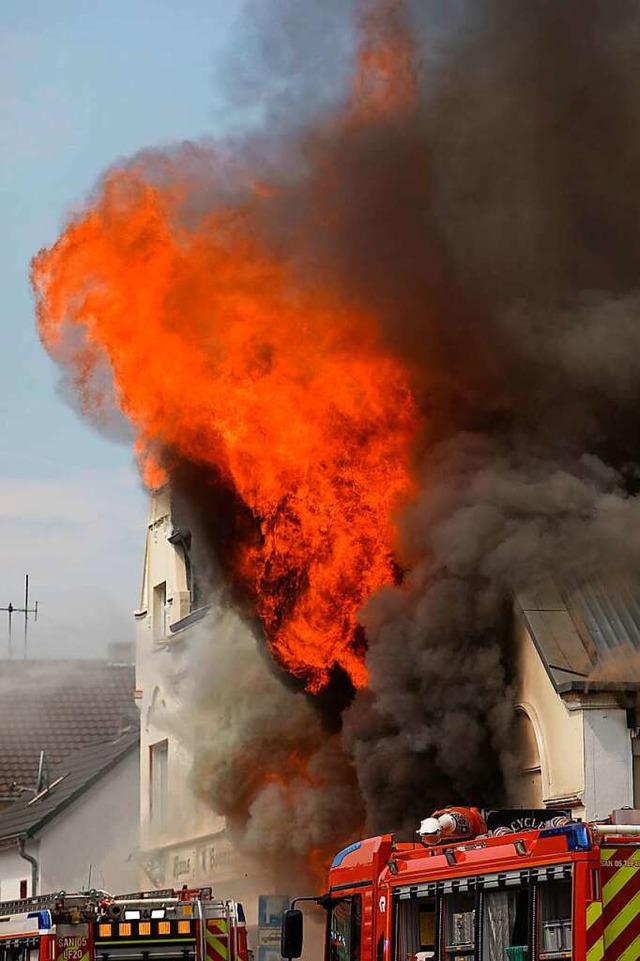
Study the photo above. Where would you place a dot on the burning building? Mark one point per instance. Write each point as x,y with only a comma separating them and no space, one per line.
204,696
183,646
240,781
393,385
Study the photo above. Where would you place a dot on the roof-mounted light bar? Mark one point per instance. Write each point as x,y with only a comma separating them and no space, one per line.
577,835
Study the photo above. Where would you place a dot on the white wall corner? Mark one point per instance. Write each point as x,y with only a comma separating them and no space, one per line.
608,762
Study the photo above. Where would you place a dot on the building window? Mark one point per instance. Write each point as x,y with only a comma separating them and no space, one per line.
158,783
160,611
23,889
180,537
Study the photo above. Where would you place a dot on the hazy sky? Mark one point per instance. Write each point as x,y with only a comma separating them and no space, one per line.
82,82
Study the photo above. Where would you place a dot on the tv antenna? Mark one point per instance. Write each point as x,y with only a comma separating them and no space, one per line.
26,610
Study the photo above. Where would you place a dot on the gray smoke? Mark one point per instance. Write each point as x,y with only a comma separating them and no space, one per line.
262,757
93,398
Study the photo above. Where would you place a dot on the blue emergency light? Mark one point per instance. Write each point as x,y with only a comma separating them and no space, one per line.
577,835
44,919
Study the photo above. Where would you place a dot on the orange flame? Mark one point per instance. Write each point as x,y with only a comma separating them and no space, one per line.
217,353
220,353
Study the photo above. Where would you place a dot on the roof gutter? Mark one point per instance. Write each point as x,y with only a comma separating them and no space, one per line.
34,865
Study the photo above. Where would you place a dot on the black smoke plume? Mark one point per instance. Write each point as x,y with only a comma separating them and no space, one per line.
491,226
490,223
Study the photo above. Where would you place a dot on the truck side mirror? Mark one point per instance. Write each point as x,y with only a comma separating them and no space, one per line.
291,934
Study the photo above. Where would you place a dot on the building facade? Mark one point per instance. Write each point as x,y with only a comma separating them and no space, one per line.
577,698
182,841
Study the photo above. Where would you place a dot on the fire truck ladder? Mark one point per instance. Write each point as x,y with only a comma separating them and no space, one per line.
42,902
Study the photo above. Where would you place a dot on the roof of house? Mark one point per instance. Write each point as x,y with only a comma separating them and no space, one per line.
587,631
68,781
58,707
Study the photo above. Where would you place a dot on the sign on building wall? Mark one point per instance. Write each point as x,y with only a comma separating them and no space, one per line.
195,865
270,910
271,907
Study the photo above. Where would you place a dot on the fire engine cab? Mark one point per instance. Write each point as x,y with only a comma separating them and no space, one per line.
505,886
166,925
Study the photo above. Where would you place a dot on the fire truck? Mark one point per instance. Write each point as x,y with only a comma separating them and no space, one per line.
165,925
500,886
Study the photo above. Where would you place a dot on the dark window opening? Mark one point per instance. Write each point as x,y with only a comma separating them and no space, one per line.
181,539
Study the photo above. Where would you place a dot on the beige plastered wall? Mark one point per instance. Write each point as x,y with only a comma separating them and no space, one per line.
559,730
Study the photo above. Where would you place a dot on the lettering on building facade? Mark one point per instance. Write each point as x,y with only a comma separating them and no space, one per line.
194,865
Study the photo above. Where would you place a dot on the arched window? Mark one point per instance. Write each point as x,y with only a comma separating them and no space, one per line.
529,773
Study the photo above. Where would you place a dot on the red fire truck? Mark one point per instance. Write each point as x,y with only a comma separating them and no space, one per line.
518,885
166,925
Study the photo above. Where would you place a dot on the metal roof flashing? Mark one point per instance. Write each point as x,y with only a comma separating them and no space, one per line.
586,633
